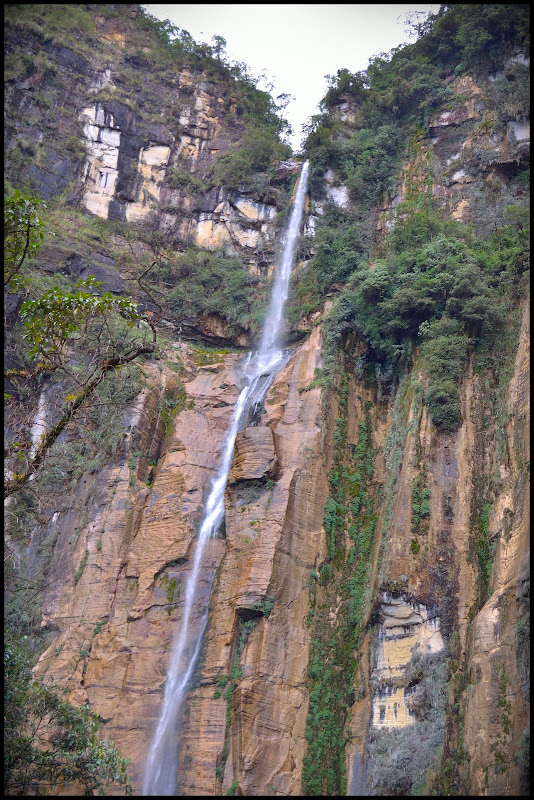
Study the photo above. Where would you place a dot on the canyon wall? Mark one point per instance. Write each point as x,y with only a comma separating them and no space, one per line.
246,716
407,623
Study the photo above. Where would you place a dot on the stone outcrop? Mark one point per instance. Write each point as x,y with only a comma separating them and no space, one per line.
462,142
273,539
496,705
142,159
255,455
406,630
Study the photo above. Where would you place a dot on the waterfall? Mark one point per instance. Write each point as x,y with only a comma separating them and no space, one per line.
160,770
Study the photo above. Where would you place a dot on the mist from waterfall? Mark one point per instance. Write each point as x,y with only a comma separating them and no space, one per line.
259,371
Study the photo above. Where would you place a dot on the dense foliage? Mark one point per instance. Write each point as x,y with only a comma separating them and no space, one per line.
434,286
23,235
47,741
439,287
478,38
79,334
259,150
214,283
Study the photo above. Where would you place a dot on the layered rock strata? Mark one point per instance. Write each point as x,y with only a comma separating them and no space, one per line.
273,539
116,618
406,630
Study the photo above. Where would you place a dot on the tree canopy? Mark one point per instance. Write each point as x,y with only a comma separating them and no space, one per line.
49,742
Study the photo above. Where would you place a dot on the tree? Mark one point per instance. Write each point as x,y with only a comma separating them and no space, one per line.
219,47
48,741
23,234
82,335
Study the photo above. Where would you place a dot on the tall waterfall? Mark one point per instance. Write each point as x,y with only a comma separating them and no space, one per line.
160,770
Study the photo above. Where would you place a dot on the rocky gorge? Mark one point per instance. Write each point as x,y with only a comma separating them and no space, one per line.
368,592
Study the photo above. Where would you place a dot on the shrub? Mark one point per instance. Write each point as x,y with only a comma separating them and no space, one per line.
445,348
399,758
74,751
214,283
79,572
443,404
259,150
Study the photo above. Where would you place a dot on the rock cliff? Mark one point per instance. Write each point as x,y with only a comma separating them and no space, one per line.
370,584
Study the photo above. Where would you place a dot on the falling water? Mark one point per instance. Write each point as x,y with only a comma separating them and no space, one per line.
160,771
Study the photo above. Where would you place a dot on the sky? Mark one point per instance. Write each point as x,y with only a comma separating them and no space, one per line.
297,44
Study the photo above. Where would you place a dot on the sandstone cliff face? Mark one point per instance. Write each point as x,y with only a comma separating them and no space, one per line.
116,621
123,541
437,567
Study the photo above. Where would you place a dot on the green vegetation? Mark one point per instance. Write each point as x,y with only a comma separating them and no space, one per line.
431,289
23,236
214,283
99,626
437,286
420,504
462,36
426,291
259,151
79,572
172,591
432,284
332,670
484,550
177,47
179,178
80,335
39,760
266,606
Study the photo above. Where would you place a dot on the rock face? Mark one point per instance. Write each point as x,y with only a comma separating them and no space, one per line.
406,630
255,455
458,142
496,707
436,647
125,607
116,622
273,540
138,156
139,183
100,172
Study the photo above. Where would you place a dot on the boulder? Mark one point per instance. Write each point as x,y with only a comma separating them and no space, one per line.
255,455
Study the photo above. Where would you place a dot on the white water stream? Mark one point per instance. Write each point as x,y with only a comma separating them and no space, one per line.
161,765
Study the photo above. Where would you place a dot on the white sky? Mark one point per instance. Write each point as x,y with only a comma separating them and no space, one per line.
296,44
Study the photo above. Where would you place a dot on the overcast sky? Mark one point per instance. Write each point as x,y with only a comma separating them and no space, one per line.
296,44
